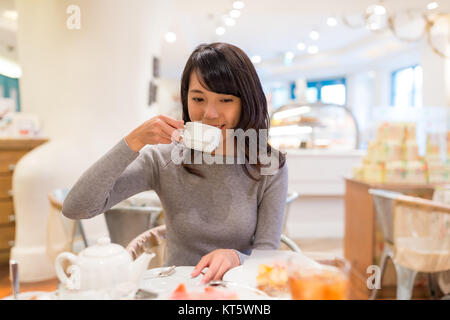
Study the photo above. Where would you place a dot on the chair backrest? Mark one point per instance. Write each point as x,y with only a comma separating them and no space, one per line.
154,241
421,232
384,209
125,224
290,198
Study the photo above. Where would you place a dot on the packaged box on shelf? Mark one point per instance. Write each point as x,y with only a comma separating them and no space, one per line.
373,173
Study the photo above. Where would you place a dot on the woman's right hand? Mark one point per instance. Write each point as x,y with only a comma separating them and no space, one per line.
157,130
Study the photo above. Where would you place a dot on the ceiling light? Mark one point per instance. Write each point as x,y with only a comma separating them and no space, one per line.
289,55
432,5
238,5
235,14
256,59
376,9
10,14
314,35
220,31
331,21
171,37
229,21
313,49
301,46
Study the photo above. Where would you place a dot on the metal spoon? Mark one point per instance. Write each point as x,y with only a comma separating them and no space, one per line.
14,273
144,294
227,284
167,272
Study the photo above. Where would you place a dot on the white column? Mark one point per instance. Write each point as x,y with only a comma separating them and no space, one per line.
89,87
436,76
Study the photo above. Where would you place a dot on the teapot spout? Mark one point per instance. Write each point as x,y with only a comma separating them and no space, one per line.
140,265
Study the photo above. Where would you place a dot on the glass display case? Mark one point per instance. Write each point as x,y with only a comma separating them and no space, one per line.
313,126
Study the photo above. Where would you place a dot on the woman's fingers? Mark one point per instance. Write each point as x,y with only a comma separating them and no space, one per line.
179,124
224,267
218,262
202,264
166,128
164,139
212,270
159,129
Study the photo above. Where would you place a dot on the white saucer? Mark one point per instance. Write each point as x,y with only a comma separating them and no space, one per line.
34,295
181,274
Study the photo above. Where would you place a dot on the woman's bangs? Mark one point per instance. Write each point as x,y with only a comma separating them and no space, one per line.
215,74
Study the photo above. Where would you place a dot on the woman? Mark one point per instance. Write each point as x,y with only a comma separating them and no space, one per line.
215,214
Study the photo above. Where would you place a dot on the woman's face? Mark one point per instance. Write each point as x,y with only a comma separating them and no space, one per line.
219,110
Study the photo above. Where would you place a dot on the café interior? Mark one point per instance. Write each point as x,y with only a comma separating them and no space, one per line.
358,94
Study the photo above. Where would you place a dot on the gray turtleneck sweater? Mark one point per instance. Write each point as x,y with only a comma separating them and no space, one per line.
224,210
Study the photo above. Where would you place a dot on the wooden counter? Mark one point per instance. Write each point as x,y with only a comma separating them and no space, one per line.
11,150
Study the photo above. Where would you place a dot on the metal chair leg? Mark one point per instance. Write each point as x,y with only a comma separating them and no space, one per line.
405,282
433,286
291,244
386,253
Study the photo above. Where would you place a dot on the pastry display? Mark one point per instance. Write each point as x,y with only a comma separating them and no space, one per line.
393,157
301,125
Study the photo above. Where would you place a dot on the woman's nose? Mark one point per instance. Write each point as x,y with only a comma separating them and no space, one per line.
210,112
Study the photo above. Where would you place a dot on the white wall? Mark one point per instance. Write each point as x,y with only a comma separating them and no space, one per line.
89,87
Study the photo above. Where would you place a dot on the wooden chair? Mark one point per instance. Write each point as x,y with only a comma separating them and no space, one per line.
416,235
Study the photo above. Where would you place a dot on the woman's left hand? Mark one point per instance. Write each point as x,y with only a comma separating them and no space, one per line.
218,262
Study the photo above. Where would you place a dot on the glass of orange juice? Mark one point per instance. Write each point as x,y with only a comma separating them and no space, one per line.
327,279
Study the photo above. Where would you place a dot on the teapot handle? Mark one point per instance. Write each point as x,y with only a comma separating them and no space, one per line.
59,265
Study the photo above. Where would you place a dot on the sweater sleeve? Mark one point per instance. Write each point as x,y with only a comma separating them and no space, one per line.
270,214
116,176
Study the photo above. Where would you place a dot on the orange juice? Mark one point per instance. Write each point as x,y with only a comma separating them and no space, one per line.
318,285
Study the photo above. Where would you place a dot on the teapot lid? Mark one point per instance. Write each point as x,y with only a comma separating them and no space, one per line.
103,248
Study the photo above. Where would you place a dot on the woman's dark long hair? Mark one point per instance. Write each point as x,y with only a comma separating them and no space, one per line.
224,68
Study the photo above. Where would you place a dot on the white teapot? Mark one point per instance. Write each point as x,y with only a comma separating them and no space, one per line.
104,270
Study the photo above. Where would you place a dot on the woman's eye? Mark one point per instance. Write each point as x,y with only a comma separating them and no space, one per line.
227,100
197,99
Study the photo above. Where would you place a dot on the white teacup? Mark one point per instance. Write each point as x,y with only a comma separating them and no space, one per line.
201,137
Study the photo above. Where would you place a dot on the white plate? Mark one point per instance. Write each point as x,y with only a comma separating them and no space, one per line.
156,284
34,295
243,292
166,285
238,275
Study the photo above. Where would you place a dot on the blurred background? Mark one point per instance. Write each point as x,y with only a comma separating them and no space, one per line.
358,93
